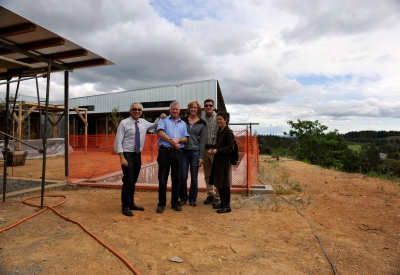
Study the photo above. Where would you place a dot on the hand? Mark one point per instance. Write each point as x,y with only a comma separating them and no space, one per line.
123,162
177,146
174,141
200,162
163,115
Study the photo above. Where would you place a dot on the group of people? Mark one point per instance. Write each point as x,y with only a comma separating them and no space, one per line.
184,144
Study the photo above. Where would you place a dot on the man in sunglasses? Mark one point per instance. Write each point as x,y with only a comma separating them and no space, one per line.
212,128
129,141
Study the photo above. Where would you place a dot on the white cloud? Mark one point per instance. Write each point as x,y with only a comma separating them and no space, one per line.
316,19
332,61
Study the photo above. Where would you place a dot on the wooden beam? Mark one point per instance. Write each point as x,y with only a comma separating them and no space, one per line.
75,65
18,29
54,123
88,63
57,56
42,44
50,120
7,48
80,115
29,112
59,119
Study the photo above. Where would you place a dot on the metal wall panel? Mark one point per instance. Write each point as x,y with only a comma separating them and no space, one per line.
183,93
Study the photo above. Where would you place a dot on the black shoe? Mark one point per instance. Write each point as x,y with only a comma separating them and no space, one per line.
209,200
218,206
224,210
127,212
160,209
215,203
193,203
136,207
182,203
177,207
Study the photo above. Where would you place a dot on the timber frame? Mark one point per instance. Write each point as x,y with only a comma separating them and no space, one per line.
53,109
30,51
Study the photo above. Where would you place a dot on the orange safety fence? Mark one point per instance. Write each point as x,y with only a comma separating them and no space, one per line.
93,162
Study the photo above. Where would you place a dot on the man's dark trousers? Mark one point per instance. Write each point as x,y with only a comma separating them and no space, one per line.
131,174
169,159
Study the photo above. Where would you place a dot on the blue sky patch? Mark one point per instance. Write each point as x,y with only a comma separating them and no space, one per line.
310,80
175,11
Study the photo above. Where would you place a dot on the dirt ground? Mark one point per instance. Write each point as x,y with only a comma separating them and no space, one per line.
356,218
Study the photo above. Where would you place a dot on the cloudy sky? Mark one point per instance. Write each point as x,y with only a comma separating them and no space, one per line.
332,61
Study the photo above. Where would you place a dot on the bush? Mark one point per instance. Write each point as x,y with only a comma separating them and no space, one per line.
265,150
390,167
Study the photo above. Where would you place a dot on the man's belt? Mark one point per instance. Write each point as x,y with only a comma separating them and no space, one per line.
163,148
209,146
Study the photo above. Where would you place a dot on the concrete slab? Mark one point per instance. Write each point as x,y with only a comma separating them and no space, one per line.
261,189
35,189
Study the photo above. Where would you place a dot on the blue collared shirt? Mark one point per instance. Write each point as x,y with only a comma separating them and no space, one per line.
172,129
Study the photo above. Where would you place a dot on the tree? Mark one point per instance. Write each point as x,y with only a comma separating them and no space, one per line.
325,149
370,159
115,117
310,135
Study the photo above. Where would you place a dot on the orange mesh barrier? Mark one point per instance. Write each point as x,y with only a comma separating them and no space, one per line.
92,162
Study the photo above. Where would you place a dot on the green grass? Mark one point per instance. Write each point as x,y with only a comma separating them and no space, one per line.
392,137
382,176
280,190
356,147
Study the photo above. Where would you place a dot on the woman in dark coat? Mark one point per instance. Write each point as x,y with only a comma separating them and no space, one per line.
221,172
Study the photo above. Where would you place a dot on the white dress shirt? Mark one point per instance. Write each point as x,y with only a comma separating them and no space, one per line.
125,138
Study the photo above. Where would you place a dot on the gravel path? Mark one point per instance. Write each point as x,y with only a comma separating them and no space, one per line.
19,184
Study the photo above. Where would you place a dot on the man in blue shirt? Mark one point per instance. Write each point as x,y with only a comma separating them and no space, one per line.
173,134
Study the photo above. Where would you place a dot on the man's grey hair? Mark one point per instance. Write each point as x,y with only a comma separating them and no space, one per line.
173,103
141,106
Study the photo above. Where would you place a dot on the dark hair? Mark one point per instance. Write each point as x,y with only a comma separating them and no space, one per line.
208,100
225,115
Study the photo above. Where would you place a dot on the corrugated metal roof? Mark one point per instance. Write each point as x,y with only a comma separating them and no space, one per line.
27,36
183,93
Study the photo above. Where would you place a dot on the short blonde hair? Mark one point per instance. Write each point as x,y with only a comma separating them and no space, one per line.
194,102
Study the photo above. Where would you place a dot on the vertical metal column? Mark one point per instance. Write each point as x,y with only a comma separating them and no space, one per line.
66,123
44,139
39,108
248,160
107,145
6,138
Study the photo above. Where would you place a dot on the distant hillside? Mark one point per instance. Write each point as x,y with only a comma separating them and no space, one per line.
370,136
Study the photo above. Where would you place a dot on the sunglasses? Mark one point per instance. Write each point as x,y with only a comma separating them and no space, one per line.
208,105
136,109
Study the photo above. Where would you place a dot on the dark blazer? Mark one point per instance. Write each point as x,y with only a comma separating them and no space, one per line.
221,172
